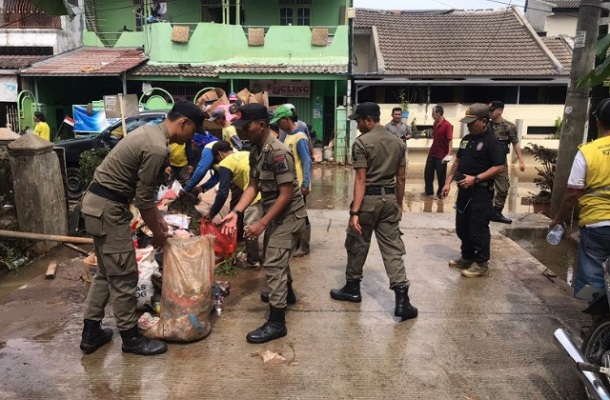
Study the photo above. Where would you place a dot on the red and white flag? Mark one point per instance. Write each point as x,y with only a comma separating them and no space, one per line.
69,121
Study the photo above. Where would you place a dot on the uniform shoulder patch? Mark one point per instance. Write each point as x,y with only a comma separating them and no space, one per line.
281,164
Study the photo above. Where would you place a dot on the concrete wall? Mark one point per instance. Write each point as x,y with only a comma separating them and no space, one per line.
114,15
537,12
266,12
531,114
214,42
68,38
559,24
363,53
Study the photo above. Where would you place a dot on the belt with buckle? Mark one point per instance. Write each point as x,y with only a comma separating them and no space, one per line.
106,193
379,190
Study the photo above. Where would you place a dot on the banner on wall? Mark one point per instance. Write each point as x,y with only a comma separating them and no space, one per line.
89,123
283,88
8,89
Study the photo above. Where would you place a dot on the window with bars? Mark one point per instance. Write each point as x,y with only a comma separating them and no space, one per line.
286,16
303,16
294,2
211,10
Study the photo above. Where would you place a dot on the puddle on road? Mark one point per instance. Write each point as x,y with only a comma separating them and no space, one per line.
560,259
13,280
333,187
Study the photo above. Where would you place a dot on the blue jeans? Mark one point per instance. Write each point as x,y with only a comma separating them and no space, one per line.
593,250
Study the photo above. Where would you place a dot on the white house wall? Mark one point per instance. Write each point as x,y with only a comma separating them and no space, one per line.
561,25
538,115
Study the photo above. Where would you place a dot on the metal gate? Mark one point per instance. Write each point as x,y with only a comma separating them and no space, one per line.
27,105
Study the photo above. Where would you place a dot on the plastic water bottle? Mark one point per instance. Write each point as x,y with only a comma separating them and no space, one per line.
554,236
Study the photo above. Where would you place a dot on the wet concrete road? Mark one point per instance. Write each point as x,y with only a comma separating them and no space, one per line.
486,338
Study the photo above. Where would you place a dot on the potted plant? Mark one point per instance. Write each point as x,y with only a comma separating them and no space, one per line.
415,134
541,202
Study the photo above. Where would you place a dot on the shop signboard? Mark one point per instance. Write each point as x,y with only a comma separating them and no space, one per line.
283,88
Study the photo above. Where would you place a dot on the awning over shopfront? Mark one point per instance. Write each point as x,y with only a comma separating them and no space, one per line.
86,61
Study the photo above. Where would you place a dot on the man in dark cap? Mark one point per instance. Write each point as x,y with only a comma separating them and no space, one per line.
273,175
506,132
379,160
131,172
479,159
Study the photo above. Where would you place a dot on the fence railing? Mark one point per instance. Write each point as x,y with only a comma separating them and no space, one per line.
32,20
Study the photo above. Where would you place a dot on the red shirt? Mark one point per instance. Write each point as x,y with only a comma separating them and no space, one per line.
443,134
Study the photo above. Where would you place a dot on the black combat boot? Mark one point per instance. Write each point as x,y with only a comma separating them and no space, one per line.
349,292
290,297
404,310
274,328
135,342
94,336
497,216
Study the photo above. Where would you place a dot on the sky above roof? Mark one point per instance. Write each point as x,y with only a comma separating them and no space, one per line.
436,4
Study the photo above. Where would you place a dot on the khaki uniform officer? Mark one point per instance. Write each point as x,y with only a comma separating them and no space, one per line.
272,173
130,172
506,132
379,160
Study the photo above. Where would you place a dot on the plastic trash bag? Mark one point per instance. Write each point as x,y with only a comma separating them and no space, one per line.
186,295
225,245
147,267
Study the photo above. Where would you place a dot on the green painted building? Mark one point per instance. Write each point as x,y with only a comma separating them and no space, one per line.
296,50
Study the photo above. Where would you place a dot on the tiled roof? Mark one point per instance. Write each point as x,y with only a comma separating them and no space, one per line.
175,70
332,65
457,44
88,61
561,50
566,3
328,65
18,62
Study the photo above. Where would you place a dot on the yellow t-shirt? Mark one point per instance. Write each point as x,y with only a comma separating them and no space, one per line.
291,142
594,204
239,165
177,155
228,133
42,129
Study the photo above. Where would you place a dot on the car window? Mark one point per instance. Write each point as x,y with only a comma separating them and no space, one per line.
134,123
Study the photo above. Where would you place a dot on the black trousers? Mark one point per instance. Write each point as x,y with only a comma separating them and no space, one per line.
433,165
473,209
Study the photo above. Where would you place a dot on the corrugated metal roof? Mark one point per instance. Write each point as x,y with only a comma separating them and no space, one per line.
457,44
88,61
18,62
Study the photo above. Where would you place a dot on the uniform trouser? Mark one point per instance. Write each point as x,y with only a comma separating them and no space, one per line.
252,215
472,216
501,186
281,240
433,165
379,214
117,270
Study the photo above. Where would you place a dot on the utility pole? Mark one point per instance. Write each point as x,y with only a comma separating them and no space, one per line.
599,92
575,112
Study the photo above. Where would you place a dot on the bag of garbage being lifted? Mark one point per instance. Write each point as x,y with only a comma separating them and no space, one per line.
186,295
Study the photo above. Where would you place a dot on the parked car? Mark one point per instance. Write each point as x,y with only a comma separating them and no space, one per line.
108,137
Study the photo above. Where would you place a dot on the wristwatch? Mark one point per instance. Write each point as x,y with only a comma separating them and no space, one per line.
352,213
477,179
